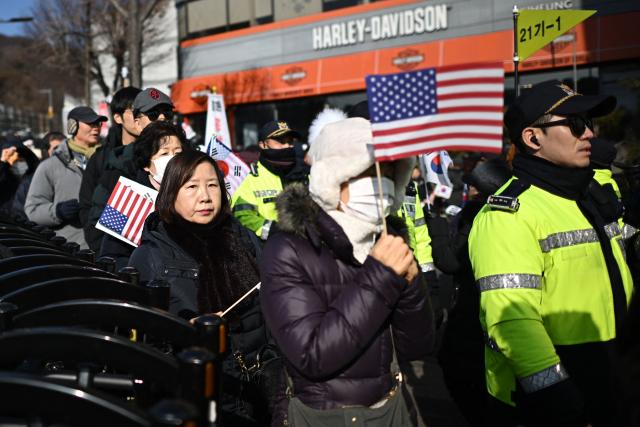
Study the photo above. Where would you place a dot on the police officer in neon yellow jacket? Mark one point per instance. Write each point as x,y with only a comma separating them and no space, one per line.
546,255
419,239
253,203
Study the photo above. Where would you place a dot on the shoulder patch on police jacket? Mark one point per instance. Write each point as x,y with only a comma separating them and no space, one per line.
508,199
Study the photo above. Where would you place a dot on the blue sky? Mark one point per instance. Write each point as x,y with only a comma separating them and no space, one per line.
12,9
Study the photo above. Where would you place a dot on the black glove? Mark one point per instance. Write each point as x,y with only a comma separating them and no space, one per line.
68,211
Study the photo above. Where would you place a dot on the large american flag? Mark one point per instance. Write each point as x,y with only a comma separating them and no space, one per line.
128,207
447,108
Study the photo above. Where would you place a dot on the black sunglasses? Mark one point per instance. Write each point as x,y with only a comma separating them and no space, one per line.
577,124
155,113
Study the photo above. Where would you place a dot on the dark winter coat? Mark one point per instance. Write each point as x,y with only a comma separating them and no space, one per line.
330,314
117,162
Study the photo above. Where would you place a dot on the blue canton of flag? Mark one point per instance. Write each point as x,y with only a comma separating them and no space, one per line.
402,96
113,220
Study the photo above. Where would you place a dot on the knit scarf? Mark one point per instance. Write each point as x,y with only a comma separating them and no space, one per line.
226,268
81,149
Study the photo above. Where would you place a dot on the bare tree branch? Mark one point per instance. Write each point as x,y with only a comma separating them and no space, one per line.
119,8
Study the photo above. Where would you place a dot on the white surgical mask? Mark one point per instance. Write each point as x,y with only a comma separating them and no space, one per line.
161,165
364,198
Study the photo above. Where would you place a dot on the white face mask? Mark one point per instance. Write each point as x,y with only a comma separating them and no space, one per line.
364,199
161,165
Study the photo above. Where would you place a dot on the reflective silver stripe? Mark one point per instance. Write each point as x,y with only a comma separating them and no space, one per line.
510,281
568,238
612,229
427,266
244,207
577,237
266,227
419,222
628,231
543,379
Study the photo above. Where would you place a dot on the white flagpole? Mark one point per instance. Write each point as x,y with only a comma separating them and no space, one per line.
241,299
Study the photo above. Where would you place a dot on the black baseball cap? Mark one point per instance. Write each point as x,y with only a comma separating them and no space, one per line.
149,99
85,115
276,130
552,97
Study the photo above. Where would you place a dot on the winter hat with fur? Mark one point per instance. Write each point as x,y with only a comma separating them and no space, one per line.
343,151
324,117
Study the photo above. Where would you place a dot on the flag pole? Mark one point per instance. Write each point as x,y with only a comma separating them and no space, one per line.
516,57
241,299
381,204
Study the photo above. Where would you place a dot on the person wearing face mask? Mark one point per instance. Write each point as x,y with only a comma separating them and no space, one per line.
280,163
17,165
155,147
149,106
335,287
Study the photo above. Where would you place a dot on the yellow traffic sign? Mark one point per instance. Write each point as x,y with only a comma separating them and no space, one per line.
537,28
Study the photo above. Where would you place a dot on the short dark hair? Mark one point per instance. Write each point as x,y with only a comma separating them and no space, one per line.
123,99
151,138
53,136
517,139
179,170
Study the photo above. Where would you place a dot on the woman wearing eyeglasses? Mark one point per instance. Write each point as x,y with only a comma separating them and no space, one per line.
548,261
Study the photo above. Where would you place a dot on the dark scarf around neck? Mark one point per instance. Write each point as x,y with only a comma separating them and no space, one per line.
227,269
570,183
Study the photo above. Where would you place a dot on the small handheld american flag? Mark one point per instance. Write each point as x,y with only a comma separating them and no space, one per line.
447,108
128,207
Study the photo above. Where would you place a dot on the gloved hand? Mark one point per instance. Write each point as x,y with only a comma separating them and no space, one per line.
68,211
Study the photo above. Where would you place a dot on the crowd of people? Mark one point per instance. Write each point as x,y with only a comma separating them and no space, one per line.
539,326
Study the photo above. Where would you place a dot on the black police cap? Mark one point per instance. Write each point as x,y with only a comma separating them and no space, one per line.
276,130
553,97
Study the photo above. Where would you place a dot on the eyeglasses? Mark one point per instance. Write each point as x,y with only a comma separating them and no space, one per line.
577,124
155,113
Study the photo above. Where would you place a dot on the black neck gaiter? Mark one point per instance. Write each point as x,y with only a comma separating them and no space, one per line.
279,161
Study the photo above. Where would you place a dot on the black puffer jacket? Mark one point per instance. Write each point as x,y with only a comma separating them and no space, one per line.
330,314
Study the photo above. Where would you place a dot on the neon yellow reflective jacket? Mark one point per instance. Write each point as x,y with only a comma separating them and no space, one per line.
538,269
605,176
419,239
254,202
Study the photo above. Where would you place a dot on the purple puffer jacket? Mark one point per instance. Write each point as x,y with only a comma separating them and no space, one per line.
330,314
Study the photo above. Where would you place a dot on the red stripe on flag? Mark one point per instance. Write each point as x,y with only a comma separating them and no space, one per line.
142,206
457,135
469,95
132,206
436,125
136,238
123,193
471,81
113,193
134,212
